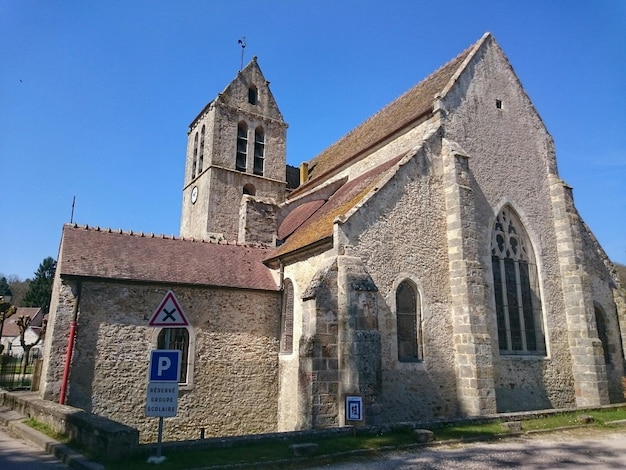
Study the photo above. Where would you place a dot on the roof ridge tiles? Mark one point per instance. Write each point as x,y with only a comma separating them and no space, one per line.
142,234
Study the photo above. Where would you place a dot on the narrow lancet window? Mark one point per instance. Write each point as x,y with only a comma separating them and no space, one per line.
259,151
195,156
201,155
408,319
286,334
242,147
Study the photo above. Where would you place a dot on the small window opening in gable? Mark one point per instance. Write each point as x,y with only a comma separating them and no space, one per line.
249,189
253,95
499,104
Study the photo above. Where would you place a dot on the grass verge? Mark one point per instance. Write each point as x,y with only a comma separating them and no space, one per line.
278,449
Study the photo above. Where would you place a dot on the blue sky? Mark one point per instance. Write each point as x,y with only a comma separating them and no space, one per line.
96,96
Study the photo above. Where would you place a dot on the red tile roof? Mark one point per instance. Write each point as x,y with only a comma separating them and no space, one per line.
298,216
107,254
10,327
320,223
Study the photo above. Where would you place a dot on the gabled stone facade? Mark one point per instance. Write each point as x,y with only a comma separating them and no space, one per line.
431,262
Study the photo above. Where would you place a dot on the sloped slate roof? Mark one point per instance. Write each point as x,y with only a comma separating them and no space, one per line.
98,253
416,102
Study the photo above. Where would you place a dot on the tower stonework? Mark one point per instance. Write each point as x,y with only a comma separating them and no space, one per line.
235,151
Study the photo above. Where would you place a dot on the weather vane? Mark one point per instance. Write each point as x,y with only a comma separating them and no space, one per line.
242,43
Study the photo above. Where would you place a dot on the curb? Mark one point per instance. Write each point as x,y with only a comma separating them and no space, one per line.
15,422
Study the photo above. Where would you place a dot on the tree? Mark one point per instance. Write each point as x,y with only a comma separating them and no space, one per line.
19,289
40,288
23,323
5,289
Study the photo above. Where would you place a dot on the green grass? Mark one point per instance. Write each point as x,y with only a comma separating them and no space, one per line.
47,430
278,449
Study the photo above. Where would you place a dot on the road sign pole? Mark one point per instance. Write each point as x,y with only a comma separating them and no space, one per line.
162,398
160,438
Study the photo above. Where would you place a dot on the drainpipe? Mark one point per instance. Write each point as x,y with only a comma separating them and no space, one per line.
70,346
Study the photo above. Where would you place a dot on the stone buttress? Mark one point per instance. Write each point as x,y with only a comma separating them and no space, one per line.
588,366
472,342
339,351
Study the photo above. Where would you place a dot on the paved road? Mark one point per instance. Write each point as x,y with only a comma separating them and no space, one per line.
18,454
575,449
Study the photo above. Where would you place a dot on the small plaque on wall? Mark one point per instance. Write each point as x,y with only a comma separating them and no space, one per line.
354,408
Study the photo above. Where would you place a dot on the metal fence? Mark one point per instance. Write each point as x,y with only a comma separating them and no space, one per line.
13,376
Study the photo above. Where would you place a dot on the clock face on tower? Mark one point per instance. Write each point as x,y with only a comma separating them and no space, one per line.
194,194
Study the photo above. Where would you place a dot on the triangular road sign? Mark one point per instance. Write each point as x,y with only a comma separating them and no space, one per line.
169,313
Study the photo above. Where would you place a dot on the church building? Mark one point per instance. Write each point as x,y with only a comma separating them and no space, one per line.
431,263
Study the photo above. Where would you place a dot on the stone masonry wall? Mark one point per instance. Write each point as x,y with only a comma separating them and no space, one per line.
511,154
400,235
588,365
318,369
235,362
472,342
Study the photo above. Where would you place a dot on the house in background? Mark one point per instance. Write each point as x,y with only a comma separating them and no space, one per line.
431,262
11,332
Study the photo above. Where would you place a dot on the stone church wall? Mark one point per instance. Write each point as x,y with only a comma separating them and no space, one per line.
235,374
400,235
511,156
291,410
610,301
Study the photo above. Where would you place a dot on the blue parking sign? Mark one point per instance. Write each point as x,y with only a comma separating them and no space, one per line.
164,365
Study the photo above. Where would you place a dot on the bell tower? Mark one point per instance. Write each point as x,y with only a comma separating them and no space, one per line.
236,159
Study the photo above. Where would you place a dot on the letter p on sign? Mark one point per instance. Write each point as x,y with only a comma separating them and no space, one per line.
164,365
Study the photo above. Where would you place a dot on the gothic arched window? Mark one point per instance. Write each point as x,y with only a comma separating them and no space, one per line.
242,147
195,156
201,155
408,323
286,326
259,150
516,287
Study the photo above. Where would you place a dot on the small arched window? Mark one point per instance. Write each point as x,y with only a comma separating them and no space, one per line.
286,326
195,156
602,332
516,287
201,155
408,323
242,147
249,189
176,338
259,150
252,95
